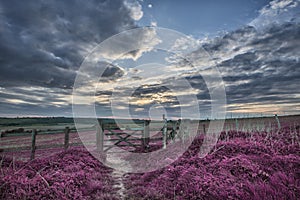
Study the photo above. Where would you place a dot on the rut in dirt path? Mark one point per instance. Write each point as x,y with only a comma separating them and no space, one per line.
118,177
120,167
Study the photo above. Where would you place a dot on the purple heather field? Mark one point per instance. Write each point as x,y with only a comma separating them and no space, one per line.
243,165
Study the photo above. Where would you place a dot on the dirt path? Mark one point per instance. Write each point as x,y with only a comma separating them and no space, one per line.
118,177
120,168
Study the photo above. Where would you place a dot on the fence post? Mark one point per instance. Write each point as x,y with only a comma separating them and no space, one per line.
146,134
67,131
204,130
165,132
33,147
278,122
236,124
99,135
183,130
173,131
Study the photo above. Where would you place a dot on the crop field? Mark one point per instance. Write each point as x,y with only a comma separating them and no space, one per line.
253,159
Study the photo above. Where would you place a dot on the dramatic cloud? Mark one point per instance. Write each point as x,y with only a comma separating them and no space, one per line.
260,67
278,11
129,45
43,44
135,9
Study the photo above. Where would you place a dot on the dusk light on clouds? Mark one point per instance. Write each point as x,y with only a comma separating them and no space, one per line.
255,46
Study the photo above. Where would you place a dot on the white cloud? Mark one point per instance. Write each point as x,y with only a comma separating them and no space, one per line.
128,45
153,23
135,8
277,11
281,4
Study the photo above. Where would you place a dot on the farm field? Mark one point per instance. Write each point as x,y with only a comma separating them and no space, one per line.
253,159
30,123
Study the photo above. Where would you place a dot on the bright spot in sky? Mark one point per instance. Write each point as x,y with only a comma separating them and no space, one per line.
150,5
153,23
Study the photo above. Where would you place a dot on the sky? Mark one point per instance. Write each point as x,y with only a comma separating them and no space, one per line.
247,49
201,18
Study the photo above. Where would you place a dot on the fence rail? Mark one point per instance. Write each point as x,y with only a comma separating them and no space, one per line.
118,133
133,133
34,133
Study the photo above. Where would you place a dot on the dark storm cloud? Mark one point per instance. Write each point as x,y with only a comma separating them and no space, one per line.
103,71
149,89
42,43
263,66
259,66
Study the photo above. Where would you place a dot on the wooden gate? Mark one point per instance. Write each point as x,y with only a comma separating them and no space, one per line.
131,133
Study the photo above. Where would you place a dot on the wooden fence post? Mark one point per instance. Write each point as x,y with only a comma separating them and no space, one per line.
174,130
67,131
183,130
146,134
33,147
99,136
204,130
236,124
165,132
278,122
164,138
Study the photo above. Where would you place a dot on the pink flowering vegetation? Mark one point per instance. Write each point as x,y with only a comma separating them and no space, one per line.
256,165
243,165
73,174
